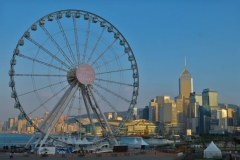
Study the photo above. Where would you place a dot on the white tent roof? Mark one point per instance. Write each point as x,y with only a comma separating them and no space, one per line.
212,147
134,141
69,141
211,151
79,141
85,141
62,139
142,142
74,139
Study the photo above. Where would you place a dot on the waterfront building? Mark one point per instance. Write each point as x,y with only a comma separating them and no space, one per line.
22,126
139,128
30,129
10,123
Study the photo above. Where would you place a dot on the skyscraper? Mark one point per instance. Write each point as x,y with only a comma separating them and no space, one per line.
204,117
185,83
210,98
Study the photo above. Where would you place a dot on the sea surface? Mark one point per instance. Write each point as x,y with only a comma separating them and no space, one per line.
22,139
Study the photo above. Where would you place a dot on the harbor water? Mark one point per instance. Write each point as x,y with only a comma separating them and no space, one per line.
22,139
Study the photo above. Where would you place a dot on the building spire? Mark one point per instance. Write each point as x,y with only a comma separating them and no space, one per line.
185,63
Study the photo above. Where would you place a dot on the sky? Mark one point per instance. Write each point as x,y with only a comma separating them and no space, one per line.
160,33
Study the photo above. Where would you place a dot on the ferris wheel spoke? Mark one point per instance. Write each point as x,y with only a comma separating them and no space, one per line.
47,100
80,98
86,41
66,41
41,62
99,38
121,70
48,52
104,99
43,75
41,88
113,60
113,93
56,44
104,52
71,104
76,40
114,82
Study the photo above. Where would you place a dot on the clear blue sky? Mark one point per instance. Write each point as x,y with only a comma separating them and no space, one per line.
161,34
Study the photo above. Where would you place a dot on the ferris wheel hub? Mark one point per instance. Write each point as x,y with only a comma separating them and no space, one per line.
71,76
85,74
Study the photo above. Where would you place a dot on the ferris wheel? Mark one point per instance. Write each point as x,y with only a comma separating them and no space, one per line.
73,62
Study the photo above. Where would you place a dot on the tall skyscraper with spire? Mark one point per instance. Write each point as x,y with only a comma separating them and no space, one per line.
185,83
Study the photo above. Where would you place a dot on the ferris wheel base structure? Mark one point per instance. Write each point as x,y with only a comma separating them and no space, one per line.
73,66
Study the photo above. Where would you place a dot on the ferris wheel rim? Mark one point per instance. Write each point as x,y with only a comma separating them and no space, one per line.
72,10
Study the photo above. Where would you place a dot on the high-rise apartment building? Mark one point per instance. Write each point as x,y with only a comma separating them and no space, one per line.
185,83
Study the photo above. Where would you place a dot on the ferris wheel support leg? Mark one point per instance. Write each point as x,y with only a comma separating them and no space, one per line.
44,126
38,141
47,121
59,113
96,114
87,108
104,118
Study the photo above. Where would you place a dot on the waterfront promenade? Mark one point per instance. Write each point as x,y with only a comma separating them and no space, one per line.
151,155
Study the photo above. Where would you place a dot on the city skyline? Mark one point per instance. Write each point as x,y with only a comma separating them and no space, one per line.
206,42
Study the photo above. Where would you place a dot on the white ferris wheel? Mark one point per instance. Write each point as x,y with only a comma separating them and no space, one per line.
73,62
